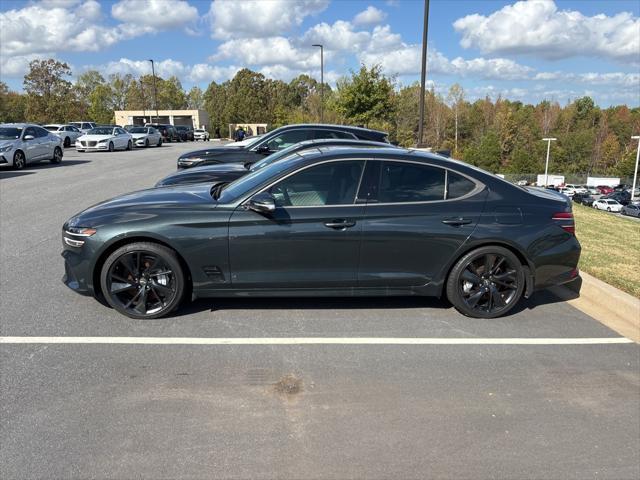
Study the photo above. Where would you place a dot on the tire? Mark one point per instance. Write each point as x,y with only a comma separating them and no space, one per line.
19,160
67,142
497,291
146,143
131,292
80,151
608,209
57,155
111,147
159,142
129,145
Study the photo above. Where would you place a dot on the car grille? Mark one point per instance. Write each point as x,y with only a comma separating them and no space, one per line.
92,144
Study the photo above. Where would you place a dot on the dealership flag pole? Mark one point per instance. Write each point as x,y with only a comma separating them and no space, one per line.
155,90
635,172
546,166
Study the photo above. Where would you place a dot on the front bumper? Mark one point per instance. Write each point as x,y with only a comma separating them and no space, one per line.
187,163
77,274
97,147
140,142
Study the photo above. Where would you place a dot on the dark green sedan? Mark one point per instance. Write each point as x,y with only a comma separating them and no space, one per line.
329,221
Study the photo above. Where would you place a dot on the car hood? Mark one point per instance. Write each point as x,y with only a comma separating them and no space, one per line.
4,143
225,172
139,135
95,138
135,204
209,152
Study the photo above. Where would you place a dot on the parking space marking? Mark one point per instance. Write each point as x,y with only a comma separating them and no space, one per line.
311,341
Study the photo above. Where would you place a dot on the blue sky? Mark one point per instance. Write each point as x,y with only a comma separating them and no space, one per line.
525,50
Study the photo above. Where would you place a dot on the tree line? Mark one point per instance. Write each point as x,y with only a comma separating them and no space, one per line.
499,135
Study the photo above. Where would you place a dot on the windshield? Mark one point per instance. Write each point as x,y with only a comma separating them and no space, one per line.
247,183
52,128
10,133
100,131
138,130
274,157
248,142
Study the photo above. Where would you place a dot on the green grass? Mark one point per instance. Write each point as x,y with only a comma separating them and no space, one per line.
610,248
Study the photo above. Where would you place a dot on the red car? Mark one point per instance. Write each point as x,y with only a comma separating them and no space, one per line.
604,190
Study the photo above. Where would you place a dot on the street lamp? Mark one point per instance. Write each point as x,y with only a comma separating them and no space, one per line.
155,89
321,80
423,74
635,172
546,166
144,104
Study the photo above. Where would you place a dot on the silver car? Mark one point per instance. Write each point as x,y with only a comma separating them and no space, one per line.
24,143
146,136
84,127
68,133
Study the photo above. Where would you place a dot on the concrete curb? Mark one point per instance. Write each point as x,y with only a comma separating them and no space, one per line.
611,307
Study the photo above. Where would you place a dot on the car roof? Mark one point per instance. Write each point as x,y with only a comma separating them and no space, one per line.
19,125
328,125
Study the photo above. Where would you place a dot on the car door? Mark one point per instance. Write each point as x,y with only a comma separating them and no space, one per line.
417,217
32,150
121,138
310,241
47,142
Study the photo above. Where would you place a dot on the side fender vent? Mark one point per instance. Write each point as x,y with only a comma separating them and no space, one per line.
214,272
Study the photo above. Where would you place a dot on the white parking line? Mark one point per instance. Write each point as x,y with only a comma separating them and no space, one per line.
311,341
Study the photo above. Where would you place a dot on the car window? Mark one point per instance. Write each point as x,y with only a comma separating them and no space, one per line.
41,132
286,139
319,134
457,185
30,131
332,183
409,182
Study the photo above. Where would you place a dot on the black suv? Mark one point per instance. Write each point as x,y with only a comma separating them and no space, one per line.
168,132
255,149
186,133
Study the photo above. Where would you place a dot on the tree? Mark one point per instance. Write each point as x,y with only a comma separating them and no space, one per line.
101,104
486,154
195,98
456,99
366,97
49,93
12,105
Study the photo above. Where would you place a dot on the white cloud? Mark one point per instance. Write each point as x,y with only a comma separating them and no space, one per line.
619,79
268,51
16,66
164,68
370,16
339,37
538,28
203,72
494,68
259,18
157,14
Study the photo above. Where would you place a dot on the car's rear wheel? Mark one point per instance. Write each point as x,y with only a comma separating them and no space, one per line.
143,280
19,160
57,155
486,282
67,142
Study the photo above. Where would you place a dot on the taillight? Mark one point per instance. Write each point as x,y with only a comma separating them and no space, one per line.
566,221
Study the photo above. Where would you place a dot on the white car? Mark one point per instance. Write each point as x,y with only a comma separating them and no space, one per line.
608,205
84,127
25,143
105,139
200,134
68,133
571,189
146,136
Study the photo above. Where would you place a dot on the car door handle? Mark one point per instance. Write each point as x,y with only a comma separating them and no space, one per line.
456,222
340,224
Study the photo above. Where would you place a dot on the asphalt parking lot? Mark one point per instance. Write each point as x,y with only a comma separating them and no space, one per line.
546,392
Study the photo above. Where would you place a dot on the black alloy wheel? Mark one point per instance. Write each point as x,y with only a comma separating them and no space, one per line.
67,142
486,282
19,160
143,280
111,147
57,155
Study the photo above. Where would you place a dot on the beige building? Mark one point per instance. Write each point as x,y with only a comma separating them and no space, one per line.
190,118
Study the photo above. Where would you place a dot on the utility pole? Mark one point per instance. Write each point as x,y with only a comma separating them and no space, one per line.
546,166
155,89
321,80
635,172
144,104
423,75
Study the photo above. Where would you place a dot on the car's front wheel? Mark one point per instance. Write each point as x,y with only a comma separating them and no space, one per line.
129,145
19,160
111,147
486,282
143,280
57,155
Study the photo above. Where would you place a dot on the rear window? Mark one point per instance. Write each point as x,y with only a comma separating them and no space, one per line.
52,128
458,186
406,182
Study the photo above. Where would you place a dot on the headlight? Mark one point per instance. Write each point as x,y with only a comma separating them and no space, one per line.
6,149
189,161
76,235
102,141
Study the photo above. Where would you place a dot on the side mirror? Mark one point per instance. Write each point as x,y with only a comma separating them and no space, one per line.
262,203
263,149
28,137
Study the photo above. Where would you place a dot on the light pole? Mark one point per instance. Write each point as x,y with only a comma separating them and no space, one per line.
635,172
155,89
321,80
144,104
546,166
423,74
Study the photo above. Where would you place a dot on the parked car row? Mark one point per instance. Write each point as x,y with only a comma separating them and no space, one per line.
303,200
617,202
